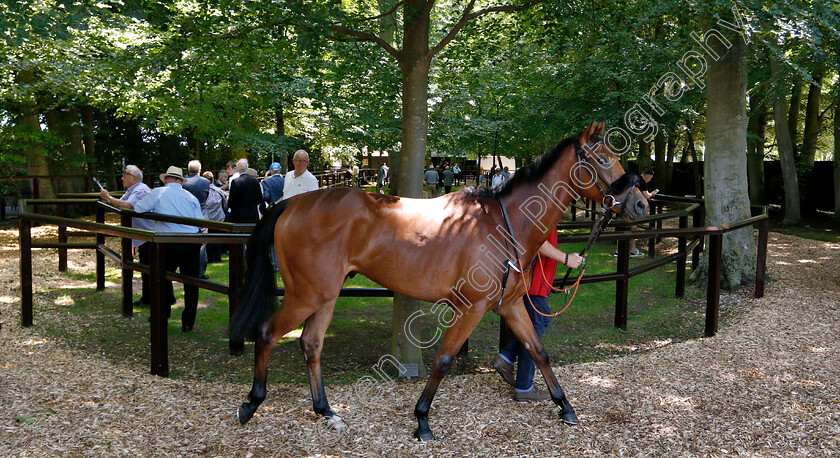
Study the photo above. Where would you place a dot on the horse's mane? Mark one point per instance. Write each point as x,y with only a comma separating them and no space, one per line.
525,175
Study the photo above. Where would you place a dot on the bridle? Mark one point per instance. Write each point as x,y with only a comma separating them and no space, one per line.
627,182
618,186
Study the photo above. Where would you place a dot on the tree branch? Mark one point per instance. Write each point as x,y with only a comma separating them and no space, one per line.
468,15
364,36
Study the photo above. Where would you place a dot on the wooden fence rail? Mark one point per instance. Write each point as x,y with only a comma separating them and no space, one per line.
236,235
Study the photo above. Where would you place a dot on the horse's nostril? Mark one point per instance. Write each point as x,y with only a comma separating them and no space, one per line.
641,205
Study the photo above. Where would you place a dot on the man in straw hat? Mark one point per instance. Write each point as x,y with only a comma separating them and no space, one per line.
172,199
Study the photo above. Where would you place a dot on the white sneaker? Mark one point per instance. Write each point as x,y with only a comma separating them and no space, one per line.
636,254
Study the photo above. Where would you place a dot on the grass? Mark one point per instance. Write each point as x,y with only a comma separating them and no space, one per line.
361,329
818,227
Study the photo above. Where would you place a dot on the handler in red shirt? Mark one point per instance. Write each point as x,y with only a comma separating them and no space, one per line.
543,276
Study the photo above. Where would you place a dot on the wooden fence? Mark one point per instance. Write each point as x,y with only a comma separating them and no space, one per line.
690,239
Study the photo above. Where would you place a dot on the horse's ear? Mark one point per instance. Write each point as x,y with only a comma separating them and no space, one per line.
584,136
599,129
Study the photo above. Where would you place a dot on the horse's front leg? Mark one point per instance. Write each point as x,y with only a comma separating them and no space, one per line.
453,339
519,322
312,342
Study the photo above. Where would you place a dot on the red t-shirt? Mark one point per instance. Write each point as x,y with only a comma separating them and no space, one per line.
541,283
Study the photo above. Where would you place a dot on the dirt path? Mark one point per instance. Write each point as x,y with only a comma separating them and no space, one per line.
768,384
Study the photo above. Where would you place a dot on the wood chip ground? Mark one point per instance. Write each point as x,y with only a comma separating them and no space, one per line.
767,385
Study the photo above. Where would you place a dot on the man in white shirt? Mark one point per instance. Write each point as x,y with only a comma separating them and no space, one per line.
299,180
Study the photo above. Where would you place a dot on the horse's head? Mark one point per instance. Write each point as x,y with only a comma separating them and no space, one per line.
601,178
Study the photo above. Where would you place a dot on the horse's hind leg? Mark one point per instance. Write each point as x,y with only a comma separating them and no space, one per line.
517,319
278,324
452,342
312,342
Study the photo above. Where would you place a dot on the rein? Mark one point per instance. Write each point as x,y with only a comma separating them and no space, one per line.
601,222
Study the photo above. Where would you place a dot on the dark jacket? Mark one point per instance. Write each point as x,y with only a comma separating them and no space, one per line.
246,200
198,186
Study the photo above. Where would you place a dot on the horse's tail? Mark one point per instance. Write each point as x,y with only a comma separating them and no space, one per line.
258,301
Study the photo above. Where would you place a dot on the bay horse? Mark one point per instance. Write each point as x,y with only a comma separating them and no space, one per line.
323,236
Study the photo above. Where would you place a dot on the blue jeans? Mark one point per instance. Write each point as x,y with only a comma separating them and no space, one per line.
515,350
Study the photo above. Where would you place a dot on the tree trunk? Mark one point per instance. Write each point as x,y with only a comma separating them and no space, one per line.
755,151
786,157
660,152
35,154
793,116
695,161
837,160
89,144
414,65
812,120
644,156
280,129
726,159
73,130
669,164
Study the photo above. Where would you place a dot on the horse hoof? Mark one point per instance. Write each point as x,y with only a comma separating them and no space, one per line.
243,414
569,418
423,435
336,424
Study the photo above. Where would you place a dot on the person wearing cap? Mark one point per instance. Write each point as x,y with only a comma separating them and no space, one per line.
299,180
172,199
135,190
272,187
432,178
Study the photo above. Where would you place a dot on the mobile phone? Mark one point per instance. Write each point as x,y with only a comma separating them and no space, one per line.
98,183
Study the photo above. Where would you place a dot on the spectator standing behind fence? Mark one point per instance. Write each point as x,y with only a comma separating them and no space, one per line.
272,186
135,190
498,178
448,178
221,178
232,172
456,170
536,303
215,209
172,199
382,178
431,179
299,180
354,171
647,175
198,186
245,200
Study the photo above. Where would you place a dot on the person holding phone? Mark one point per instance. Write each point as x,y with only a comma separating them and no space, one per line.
135,189
647,175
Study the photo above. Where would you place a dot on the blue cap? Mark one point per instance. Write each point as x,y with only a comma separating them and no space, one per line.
275,166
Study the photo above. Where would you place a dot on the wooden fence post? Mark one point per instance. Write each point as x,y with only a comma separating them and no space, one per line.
25,272
62,238
679,290
713,289
699,221
100,258
158,308
622,285
761,263
127,274
652,242
236,263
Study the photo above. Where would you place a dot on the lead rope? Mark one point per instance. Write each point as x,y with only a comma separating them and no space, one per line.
601,222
